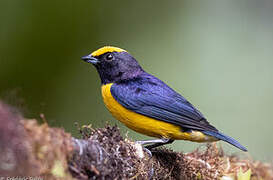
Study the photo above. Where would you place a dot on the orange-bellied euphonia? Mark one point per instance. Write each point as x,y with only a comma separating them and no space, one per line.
146,104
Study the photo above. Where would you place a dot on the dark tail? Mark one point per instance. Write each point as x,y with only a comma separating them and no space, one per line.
225,138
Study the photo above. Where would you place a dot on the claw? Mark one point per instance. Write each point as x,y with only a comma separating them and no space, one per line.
148,152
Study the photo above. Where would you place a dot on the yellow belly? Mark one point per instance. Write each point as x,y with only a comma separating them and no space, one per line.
147,125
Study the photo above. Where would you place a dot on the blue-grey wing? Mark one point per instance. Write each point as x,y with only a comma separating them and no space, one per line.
151,97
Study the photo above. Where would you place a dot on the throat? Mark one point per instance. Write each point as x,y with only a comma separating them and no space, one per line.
120,76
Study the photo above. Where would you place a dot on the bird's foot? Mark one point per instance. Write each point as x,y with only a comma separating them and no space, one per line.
155,142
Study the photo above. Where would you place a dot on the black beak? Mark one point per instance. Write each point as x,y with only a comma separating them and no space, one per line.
90,59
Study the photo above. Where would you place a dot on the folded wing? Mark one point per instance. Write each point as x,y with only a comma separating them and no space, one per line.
151,97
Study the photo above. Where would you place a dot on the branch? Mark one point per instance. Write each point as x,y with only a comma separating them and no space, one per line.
29,149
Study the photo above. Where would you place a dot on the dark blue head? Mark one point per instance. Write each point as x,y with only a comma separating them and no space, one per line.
114,64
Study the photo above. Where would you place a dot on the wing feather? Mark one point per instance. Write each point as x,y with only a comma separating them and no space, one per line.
151,97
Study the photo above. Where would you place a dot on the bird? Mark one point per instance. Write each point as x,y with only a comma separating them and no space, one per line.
146,104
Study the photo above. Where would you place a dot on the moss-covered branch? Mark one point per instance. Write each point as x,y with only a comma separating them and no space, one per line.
29,149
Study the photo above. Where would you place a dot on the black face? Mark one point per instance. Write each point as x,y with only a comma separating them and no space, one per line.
115,66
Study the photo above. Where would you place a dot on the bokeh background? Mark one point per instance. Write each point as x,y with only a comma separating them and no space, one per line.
218,54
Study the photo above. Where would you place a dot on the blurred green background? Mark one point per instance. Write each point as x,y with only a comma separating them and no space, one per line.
218,54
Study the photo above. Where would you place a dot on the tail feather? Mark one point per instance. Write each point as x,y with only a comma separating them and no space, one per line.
225,138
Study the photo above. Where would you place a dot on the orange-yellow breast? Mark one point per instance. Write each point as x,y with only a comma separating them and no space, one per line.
147,125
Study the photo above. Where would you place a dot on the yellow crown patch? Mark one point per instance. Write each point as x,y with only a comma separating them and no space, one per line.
106,49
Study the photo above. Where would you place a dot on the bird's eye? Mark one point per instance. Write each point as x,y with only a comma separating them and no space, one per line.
109,57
